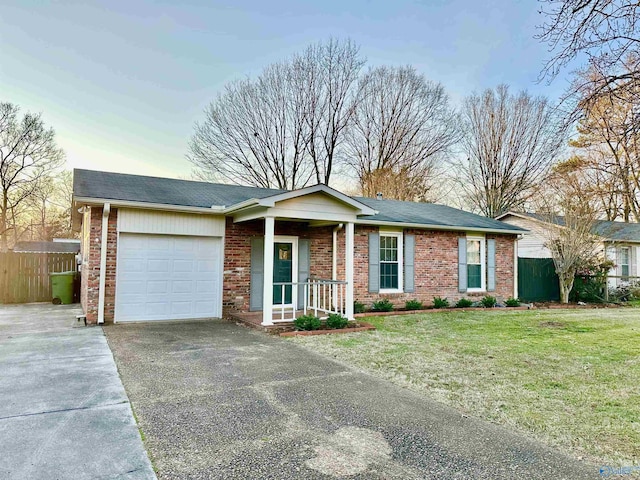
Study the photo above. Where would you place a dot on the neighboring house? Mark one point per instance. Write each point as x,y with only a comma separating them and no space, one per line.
158,248
620,241
59,245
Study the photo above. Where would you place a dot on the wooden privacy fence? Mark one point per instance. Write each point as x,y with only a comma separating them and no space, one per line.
24,277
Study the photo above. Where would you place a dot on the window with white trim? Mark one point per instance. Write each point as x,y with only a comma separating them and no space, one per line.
624,263
476,264
391,262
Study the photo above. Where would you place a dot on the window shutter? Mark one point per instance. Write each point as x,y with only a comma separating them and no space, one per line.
633,262
491,265
374,262
462,264
409,255
304,262
257,273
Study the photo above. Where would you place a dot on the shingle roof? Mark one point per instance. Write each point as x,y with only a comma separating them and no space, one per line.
429,214
168,191
135,188
616,231
46,247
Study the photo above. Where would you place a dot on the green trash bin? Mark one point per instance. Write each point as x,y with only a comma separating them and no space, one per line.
62,287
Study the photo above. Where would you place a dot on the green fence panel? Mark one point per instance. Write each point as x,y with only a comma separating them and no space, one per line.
537,280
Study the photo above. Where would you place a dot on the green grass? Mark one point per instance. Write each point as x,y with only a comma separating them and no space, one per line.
568,377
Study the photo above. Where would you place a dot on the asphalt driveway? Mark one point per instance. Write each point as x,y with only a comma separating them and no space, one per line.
64,413
216,400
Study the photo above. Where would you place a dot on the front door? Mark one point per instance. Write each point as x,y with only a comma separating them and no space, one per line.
282,272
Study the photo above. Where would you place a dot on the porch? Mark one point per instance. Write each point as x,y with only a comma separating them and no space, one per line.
294,242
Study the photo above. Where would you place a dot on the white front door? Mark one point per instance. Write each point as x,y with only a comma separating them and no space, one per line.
168,277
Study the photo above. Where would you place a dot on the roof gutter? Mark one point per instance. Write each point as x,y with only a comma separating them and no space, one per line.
215,209
252,202
106,209
427,226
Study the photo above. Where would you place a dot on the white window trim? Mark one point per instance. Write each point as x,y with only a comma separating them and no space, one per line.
483,264
399,236
628,264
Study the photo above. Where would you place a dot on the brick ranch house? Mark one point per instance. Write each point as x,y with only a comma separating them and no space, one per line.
165,249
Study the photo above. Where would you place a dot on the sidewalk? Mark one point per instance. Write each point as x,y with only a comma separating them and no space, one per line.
64,413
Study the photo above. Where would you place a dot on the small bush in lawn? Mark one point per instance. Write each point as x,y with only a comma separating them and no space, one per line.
512,302
464,303
358,307
382,305
307,322
335,320
440,302
413,305
488,301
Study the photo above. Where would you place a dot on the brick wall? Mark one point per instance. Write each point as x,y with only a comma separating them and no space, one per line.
237,256
436,263
91,270
436,267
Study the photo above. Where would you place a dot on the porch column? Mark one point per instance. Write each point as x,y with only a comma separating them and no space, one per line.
267,284
349,236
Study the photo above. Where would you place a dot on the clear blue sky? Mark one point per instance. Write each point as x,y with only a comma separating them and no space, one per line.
122,82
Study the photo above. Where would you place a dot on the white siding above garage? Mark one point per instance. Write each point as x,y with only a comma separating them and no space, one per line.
170,223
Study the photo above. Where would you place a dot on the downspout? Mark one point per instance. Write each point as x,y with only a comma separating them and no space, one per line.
106,209
334,265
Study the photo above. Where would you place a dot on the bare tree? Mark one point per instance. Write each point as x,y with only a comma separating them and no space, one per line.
567,228
606,32
254,133
28,152
510,142
326,74
402,127
48,209
609,142
284,128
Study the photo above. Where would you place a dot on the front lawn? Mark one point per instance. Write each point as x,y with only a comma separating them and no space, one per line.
568,377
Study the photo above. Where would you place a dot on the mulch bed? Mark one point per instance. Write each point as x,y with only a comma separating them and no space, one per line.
545,305
433,310
360,327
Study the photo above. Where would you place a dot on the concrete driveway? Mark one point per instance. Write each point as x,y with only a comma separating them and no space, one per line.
63,411
216,400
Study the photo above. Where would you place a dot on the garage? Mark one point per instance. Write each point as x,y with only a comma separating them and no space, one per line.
168,277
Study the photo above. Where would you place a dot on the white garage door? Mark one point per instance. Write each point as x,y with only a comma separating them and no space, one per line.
168,277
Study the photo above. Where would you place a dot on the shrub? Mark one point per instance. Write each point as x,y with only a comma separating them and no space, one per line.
512,302
382,305
464,303
335,320
413,304
358,307
588,289
621,293
440,302
488,301
307,322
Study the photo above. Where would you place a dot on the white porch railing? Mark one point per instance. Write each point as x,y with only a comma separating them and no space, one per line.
320,297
